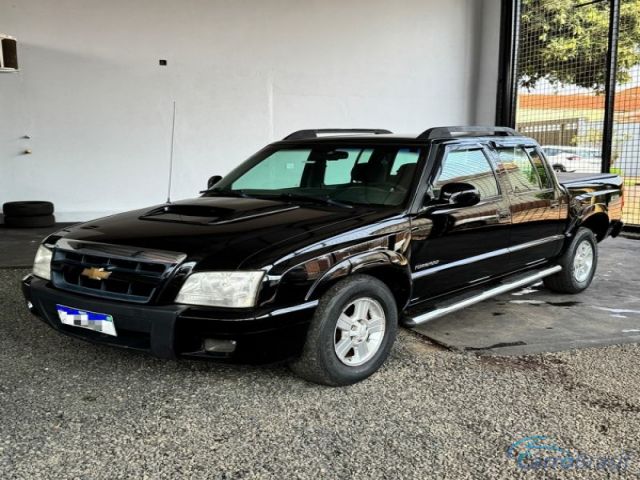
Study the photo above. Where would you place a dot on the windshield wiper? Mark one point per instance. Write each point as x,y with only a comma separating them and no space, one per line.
311,198
227,193
283,196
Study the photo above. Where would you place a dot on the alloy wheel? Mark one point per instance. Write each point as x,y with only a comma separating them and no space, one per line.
359,331
583,261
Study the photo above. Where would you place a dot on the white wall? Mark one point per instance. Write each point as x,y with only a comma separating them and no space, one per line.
488,60
97,105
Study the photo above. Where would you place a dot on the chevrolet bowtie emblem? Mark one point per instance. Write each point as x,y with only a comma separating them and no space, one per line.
95,273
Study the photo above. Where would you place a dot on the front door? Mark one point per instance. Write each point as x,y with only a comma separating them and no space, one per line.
454,248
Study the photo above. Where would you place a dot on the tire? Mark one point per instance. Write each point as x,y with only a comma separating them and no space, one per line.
559,168
319,362
27,209
30,222
576,274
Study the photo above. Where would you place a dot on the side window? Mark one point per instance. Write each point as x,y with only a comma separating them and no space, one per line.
338,172
468,166
283,169
539,165
515,162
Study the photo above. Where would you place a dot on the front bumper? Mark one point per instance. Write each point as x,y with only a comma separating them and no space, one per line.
170,331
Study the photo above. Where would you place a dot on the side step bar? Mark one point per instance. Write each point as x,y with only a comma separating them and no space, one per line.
505,287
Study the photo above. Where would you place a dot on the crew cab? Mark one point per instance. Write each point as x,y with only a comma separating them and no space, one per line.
317,247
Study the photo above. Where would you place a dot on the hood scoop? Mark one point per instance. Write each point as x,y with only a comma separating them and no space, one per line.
208,215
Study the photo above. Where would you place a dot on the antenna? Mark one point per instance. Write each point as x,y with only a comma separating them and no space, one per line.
173,131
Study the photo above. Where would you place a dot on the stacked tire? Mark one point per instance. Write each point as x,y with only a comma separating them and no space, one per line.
30,214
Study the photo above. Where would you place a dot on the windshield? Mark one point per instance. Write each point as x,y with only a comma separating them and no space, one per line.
367,175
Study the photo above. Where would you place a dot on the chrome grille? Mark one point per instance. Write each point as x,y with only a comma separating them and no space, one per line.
134,275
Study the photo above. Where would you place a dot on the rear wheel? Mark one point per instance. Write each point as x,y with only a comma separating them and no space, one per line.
578,263
351,333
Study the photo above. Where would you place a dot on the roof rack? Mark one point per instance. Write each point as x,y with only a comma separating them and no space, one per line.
305,134
453,132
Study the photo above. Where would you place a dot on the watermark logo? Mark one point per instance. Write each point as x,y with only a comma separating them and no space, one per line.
539,452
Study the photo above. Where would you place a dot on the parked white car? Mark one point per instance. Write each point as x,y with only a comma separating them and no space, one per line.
573,159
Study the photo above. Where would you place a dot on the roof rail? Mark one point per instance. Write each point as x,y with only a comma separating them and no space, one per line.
453,132
305,134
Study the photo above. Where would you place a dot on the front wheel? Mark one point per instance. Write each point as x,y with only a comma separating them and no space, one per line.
351,333
578,263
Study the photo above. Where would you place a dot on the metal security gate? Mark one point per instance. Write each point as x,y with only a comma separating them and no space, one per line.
570,77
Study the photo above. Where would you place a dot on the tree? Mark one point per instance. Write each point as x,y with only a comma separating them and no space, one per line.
566,42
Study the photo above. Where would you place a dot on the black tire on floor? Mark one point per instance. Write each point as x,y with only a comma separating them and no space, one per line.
27,209
568,280
30,222
319,362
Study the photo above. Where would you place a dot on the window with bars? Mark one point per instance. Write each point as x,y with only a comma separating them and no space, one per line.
564,96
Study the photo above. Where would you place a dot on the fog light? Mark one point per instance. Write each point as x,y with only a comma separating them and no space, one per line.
30,306
214,345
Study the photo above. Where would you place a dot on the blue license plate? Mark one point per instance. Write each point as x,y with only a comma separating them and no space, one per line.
98,322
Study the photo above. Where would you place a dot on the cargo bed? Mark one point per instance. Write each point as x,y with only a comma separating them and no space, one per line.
571,177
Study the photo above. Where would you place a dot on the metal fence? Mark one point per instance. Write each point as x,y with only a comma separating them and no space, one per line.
576,86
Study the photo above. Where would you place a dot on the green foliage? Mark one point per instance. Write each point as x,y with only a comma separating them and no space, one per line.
567,43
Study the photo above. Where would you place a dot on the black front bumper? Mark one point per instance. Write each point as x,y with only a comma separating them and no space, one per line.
170,331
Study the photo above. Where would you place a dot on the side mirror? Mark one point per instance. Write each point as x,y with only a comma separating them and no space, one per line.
213,180
459,194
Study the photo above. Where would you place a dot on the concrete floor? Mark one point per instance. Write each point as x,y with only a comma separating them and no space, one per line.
71,409
18,245
533,319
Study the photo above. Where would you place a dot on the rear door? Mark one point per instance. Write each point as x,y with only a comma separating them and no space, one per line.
535,205
454,248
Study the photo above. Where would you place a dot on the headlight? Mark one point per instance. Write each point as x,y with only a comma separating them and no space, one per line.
221,289
42,263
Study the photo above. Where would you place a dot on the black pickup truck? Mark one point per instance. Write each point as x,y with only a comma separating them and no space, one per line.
318,246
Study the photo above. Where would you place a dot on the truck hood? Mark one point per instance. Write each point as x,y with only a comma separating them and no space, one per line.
220,232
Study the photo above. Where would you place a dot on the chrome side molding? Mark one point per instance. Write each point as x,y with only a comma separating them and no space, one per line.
492,292
485,256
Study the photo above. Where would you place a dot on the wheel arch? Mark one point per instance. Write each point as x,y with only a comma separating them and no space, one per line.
598,223
390,267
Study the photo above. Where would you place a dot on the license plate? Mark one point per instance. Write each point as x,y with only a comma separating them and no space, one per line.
98,322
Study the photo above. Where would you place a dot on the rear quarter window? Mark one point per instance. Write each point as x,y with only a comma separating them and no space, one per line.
519,169
540,167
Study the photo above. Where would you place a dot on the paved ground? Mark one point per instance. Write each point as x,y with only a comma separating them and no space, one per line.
69,409
19,245
534,320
